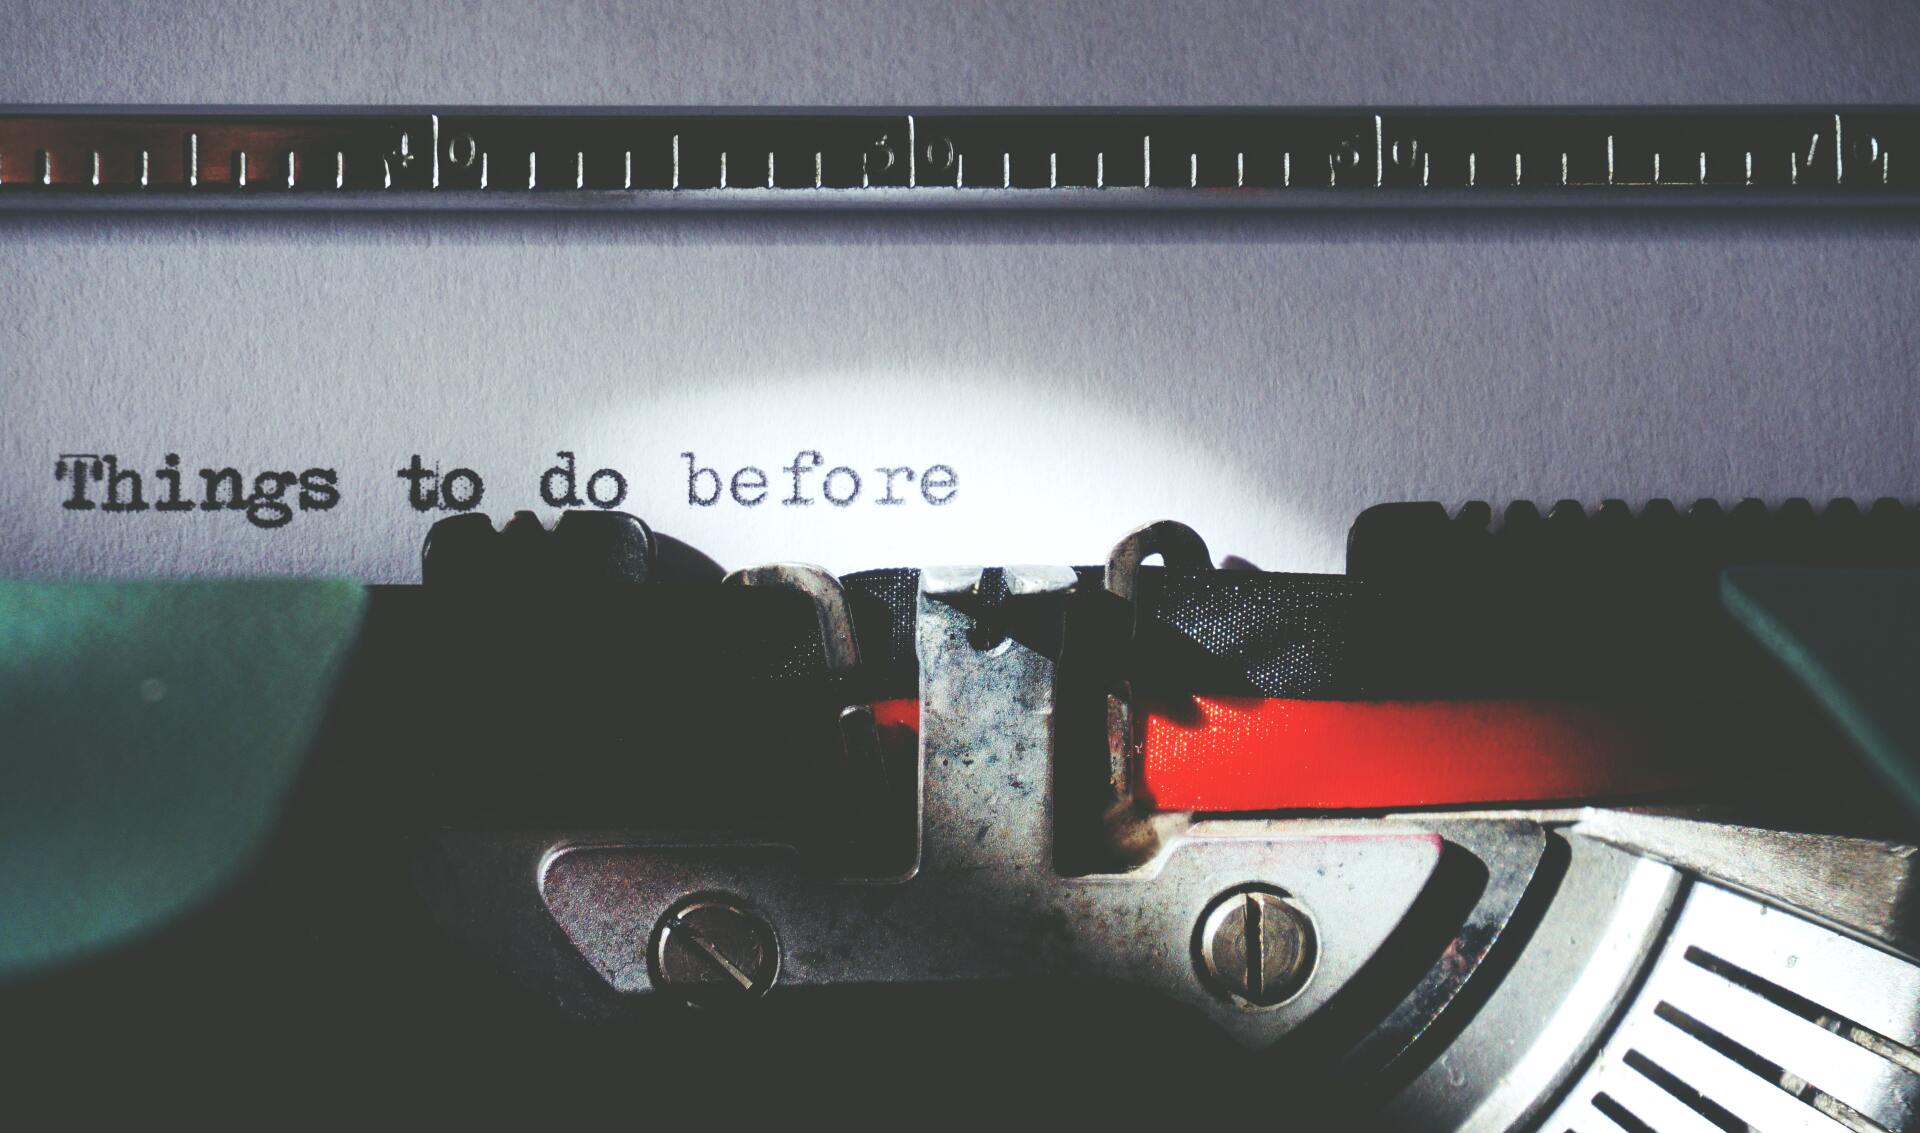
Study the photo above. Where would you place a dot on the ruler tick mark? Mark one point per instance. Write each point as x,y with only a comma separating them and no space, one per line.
193,159
96,169
626,175
144,167
676,162
1379,152
293,169
579,169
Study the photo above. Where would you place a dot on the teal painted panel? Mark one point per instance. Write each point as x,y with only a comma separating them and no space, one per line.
149,735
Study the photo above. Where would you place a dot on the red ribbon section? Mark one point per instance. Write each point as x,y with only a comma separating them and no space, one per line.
1244,753
897,714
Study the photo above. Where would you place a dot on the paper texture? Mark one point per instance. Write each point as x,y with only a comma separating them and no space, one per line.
1262,378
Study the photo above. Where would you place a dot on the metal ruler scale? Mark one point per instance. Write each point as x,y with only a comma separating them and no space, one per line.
506,158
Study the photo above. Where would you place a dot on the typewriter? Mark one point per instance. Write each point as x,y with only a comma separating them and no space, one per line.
1557,819
1587,817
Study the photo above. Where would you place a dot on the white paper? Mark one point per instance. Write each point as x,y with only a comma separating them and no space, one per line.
1262,378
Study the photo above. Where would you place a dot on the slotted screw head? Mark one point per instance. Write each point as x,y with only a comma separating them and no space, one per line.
713,950
1256,946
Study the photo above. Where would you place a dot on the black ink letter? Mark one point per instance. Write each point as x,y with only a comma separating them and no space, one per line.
319,489
619,489
170,476
569,498
228,479
939,478
83,464
423,498
116,476
264,508
694,472
453,497
826,486
798,469
758,485
890,473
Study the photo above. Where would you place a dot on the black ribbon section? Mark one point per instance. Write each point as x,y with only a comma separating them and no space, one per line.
1251,633
597,673
1563,604
1325,637
611,703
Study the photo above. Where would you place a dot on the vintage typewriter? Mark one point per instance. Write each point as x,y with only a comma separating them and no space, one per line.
1558,818
1548,820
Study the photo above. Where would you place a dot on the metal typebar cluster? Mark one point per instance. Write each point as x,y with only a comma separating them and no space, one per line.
499,158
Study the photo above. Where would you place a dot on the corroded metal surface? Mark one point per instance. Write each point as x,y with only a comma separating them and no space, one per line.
985,901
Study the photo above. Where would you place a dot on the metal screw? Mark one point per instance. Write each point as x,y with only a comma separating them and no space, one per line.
1256,946
713,950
